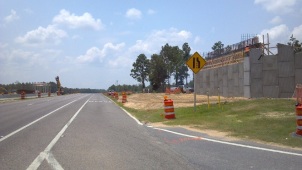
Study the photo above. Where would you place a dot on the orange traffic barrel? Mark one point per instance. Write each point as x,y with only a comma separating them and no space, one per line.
169,109
116,95
299,120
22,95
124,97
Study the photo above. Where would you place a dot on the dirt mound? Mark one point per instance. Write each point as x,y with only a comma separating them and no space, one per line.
146,101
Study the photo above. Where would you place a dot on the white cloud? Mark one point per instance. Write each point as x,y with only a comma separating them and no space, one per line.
297,33
12,17
276,20
22,54
151,12
159,38
197,40
27,65
277,34
90,55
213,30
28,11
74,21
133,14
95,53
143,47
75,37
48,35
279,6
3,45
111,47
120,61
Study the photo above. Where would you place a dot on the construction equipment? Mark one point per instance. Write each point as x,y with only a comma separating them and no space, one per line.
60,88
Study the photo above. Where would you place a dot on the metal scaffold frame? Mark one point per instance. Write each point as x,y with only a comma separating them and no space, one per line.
235,53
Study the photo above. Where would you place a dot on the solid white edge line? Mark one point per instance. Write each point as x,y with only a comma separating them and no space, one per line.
229,143
35,121
40,158
137,121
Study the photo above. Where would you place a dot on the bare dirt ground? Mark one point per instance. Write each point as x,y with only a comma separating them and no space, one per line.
147,101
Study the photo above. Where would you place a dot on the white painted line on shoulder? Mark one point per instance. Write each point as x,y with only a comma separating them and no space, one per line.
40,158
137,121
230,143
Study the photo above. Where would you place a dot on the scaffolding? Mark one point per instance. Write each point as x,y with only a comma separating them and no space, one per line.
235,53
41,87
231,58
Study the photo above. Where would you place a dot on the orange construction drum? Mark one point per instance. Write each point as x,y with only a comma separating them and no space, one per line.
169,109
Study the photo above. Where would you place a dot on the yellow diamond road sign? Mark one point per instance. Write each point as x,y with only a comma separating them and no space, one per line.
196,62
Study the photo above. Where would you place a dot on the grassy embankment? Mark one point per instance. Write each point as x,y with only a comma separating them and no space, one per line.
268,120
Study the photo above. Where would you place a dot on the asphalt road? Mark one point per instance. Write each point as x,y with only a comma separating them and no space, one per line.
88,131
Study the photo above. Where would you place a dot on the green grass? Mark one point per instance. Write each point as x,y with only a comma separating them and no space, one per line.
268,120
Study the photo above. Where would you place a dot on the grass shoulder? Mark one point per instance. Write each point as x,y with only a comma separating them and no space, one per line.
266,120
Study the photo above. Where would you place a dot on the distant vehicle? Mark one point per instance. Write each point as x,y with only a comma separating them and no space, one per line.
110,92
186,89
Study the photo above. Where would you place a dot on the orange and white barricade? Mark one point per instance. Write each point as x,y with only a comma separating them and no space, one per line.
124,97
299,120
23,95
169,108
299,110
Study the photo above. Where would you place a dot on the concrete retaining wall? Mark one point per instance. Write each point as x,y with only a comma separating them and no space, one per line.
272,76
226,80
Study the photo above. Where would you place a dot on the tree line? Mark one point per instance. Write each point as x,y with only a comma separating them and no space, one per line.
171,61
29,87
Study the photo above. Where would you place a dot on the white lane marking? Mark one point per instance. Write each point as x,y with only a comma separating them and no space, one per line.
137,121
229,143
22,128
99,101
40,158
37,162
53,162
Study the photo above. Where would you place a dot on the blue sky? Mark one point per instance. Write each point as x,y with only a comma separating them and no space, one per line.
92,44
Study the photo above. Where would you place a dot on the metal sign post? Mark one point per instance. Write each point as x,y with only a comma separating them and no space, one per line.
195,63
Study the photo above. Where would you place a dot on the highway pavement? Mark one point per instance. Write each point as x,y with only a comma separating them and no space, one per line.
89,131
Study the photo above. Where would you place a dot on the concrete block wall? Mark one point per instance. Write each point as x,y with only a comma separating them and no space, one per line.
275,76
272,76
298,68
227,81
286,65
256,75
